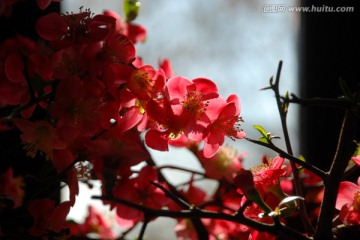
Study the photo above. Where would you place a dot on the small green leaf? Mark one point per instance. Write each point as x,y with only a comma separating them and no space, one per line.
357,153
261,130
264,140
302,158
286,102
266,137
131,9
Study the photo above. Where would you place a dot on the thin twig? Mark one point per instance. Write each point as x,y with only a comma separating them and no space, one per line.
126,232
33,101
296,181
296,160
345,148
189,181
171,195
181,169
320,102
143,227
280,230
244,206
199,226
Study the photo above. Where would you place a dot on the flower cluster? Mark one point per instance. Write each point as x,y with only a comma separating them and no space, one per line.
80,105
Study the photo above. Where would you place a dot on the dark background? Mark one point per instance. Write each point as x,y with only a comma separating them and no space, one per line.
330,50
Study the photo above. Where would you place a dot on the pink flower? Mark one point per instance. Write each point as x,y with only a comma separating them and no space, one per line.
94,223
166,126
82,108
348,202
185,230
223,165
256,235
14,54
139,191
223,123
244,181
146,82
267,174
136,33
39,136
356,160
66,30
165,65
12,187
43,4
114,153
48,216
189,100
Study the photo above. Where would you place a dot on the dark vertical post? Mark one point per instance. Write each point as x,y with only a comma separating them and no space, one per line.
330,50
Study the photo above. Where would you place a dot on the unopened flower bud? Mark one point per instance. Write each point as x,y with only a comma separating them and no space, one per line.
244,181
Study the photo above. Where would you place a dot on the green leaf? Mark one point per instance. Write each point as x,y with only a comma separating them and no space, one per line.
302,158
131,9
261,130
266,137
357,153
286,102
264,140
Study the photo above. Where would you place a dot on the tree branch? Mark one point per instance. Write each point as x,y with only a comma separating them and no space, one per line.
345,148
180,169
296,160
282,108
278,229
199,226
321,102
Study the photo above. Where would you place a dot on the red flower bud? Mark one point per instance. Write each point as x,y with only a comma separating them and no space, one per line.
244,181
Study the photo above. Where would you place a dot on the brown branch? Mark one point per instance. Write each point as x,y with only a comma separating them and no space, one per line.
296,181
199,226
345,148
172,196
320,102
180,169
296,160
278,229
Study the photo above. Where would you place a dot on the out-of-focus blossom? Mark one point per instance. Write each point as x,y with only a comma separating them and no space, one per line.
12,187
48,216
95,223
356,160
267,174
139,191
39,136
348,202
223,165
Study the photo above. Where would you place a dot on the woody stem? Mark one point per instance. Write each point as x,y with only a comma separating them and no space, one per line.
345,148
296,180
